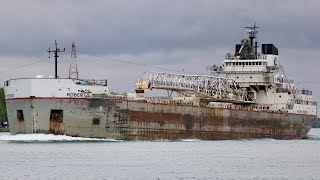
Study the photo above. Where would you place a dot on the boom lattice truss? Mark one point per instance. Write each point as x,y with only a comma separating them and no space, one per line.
207,88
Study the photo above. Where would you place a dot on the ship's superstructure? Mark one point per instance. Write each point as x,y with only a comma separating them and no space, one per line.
247,78
263,77
250,98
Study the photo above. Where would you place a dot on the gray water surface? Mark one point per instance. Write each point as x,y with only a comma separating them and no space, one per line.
42,156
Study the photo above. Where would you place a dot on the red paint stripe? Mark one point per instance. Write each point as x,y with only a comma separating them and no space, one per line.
60,98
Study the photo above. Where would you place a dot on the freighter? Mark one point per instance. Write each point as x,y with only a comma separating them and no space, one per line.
249,96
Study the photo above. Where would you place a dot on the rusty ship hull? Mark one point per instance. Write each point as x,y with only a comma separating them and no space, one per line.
137,120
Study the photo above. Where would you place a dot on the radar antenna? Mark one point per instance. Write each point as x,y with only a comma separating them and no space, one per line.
56,52
252,31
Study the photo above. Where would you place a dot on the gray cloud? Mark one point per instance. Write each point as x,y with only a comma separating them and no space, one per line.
105,27
175,35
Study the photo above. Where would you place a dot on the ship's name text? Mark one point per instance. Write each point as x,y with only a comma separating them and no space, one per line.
79,95
10,95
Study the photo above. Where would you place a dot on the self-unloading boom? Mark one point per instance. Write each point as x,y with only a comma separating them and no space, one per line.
207,88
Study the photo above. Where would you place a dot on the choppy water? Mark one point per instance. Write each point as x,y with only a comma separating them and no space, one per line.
61,157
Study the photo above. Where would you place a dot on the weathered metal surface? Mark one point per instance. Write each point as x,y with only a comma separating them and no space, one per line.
212,124
56,122
134,120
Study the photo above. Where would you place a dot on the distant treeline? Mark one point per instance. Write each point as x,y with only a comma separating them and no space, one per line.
3,110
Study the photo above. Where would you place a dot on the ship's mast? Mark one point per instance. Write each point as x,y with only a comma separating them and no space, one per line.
56,52
252,31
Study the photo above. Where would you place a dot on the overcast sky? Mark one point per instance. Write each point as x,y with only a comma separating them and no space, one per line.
159,35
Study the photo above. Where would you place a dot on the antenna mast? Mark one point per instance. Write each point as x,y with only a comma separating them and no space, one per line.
73,70
56,52
252,31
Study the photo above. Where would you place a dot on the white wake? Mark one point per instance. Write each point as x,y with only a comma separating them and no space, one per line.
48,137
